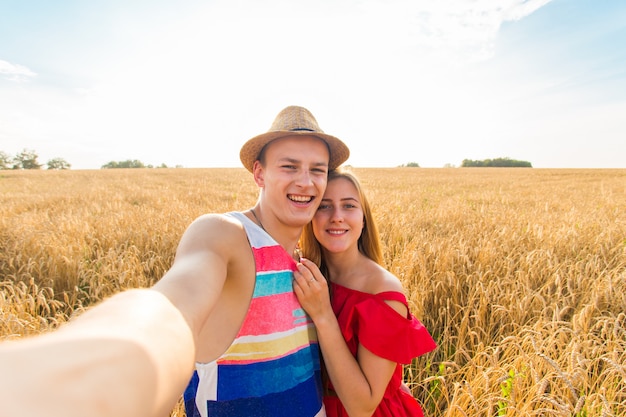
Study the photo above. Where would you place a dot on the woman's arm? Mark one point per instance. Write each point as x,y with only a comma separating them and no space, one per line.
360,383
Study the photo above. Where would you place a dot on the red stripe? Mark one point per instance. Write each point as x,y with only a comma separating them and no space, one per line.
271,314
272,258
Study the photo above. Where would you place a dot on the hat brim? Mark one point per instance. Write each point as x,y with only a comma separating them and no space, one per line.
250,151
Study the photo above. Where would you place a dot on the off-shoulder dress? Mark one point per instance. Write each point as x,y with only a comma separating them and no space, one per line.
365,319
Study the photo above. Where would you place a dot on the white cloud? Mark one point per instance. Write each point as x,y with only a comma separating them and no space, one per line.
462,31
518,9
15,72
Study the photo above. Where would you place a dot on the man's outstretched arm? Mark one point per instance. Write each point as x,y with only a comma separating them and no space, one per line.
130,355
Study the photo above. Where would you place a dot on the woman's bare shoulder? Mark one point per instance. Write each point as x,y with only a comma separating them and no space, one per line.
382,280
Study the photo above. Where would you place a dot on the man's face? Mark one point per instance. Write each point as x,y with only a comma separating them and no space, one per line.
294,177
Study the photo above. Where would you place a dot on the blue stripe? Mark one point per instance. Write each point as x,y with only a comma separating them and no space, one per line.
269,377
272,283
300,316
303,400
189,396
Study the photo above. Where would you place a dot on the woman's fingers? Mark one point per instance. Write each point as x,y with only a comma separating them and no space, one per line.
306,280
313,269
311,288
302,274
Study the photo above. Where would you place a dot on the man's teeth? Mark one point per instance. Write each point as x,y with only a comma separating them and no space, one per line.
299,199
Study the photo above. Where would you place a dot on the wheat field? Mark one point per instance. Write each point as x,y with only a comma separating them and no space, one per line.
519,274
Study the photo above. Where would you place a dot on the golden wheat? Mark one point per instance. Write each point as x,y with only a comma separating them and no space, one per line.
519,274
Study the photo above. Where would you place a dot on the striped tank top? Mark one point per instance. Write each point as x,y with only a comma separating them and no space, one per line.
272,368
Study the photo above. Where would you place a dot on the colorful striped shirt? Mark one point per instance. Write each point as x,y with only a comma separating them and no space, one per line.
272,368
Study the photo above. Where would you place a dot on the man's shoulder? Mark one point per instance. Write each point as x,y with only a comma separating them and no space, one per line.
216,229
223,221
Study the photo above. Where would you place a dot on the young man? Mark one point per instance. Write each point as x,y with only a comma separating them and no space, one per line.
226,304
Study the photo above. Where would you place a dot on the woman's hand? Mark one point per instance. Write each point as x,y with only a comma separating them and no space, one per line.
311,289
359,382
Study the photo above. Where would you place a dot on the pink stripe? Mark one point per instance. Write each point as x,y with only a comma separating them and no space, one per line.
272,258
271,314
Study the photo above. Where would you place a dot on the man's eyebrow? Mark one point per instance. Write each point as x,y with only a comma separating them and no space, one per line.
297,161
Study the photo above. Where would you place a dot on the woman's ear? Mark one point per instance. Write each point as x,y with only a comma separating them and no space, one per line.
259,174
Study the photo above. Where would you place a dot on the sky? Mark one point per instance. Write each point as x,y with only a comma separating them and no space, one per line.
186,83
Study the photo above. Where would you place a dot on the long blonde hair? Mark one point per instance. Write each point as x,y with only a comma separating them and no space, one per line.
369,243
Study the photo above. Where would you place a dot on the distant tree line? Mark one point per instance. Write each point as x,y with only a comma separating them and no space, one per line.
497,162
28,159
130,163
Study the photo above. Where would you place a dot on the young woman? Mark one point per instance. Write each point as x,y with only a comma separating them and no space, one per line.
363,323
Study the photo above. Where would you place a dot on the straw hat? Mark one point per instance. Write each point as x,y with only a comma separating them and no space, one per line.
298,121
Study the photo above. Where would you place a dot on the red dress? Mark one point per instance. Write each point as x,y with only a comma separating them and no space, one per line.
366,319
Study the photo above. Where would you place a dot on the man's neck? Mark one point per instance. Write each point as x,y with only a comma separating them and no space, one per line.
286,236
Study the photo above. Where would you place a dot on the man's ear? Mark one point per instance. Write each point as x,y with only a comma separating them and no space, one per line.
259,174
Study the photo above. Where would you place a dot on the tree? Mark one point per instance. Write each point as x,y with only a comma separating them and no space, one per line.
5,160
497,162
58,163
411,165
27,159
129,163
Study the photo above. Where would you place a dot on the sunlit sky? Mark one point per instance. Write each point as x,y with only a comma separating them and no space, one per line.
433,82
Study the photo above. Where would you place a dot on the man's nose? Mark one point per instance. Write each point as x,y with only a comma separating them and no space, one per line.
304,178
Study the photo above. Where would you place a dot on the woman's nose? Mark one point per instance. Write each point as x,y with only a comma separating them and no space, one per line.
336,215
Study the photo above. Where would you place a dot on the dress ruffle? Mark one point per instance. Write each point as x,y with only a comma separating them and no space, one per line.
366,319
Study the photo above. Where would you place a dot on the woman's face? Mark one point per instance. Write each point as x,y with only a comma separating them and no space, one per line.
338,222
